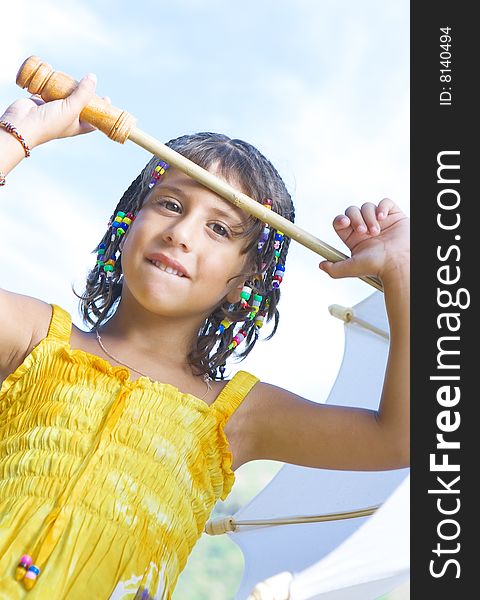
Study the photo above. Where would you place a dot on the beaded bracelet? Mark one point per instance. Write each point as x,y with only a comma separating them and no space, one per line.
11,129
2,178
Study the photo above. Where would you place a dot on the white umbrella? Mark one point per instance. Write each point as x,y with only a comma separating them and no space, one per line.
373,561
288,550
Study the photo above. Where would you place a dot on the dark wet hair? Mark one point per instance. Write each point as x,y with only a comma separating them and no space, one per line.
241,164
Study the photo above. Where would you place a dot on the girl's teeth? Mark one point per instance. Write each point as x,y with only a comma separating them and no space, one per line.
167,269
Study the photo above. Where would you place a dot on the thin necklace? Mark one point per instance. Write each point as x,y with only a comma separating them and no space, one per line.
206,378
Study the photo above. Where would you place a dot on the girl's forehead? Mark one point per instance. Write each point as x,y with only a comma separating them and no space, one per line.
185,186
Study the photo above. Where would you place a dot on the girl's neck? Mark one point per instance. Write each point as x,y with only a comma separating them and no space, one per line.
134,333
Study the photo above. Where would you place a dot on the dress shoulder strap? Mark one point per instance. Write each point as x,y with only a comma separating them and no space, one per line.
234,392
60,327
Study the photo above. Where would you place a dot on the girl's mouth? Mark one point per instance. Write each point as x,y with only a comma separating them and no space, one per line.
163,267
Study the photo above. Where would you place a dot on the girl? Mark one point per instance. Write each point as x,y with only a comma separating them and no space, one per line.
117,442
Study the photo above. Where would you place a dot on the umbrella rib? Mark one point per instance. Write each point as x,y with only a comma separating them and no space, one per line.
348,315
225,524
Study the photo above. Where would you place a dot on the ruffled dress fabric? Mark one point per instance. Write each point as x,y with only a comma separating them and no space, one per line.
106,482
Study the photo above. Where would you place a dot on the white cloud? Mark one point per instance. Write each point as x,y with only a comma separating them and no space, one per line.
49,25
335,141
333,162
46,237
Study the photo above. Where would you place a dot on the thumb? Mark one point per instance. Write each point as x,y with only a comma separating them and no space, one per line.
348,267
82,94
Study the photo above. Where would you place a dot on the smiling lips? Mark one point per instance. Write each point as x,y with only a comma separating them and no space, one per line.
165,263
163,267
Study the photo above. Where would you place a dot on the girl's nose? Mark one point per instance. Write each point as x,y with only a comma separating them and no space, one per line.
180,233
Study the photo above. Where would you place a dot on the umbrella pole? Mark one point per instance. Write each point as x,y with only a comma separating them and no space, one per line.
40,78
223,189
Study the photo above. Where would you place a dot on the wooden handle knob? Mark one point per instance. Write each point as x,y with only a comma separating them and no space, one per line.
38,77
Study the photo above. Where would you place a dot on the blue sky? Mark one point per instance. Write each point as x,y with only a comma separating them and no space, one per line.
320,87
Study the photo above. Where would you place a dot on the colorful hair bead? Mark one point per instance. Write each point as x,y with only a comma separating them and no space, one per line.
270,270
225,324
121,223
267,203
278,277
238,339
158,172
245,295
277,244
257,300
109,266
31,577
116,222
108,269
278,239
263,237
100,253
259,320
22,567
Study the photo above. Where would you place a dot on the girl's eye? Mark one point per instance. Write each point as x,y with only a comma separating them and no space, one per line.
170,204
220,229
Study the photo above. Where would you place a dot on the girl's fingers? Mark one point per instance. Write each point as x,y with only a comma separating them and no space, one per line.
384,207
357,221
85,127
342,268
370,217
368,256
341,222
83,93
38,100
365,219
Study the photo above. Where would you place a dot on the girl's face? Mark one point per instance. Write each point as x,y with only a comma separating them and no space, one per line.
185,226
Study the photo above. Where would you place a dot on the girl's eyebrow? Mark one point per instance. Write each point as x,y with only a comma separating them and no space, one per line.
229,214
173,189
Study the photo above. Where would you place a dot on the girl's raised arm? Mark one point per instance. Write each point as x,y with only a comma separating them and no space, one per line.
292,429
25,124
38,122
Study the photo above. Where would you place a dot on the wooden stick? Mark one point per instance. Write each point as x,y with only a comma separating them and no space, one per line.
40,78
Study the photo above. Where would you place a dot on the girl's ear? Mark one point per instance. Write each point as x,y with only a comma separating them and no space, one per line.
234,295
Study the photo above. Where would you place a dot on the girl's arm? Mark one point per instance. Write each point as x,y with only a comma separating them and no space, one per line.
292,429
11,152
37,122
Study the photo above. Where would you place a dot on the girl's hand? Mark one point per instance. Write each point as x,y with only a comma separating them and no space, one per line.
39,121
378,238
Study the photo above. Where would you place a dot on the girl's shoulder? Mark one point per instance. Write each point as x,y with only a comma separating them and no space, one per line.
24,321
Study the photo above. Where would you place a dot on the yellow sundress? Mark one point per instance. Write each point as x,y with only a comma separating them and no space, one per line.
105,482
